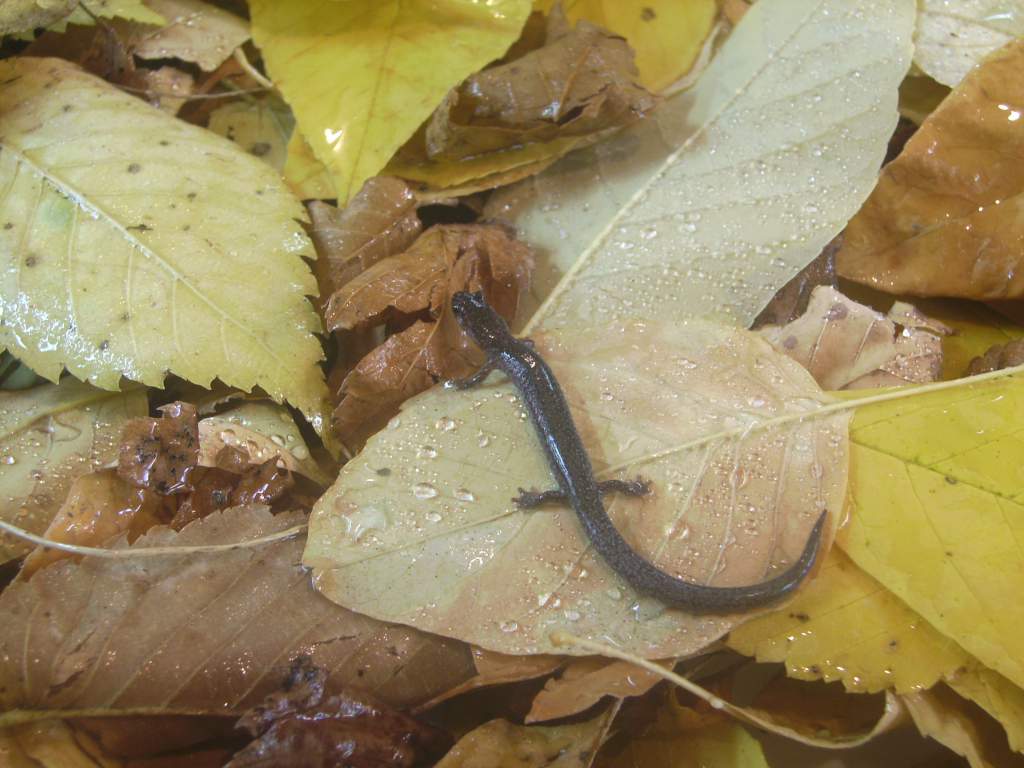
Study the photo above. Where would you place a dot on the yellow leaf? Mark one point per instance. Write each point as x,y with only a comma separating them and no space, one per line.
307,176
261,127
684,738
135,245
666,34
362,75
997,696
846,626
952,37
937,515
132,10
976,328
945,217
424,514
50,435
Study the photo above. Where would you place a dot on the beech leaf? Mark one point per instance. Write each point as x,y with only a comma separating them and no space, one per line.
715,201
131,231
50,435
951,38
938,512
420,527
354,74
209,633
945,217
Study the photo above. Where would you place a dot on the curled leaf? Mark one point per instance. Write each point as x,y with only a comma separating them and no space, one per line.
424,515
262,127
944,219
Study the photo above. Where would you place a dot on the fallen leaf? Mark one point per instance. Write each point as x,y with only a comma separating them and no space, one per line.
380,221
498,669
161,453
582,81
726,191
361,76
423,516
942,715
50,435
846,345
302,726
996,695
132,10
164,741
586,681
944,218
685,738
792,299
919,97
166,88
110,264
202,633
950,39
976,328
846,626
445,259
26,15
264,431
262,127
501,743
936,513
49,744
998,357
652,28
308,178
193,31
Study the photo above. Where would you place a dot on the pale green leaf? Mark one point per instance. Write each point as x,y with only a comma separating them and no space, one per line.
49,435
420,527
951,37
134,244
362,75
717,199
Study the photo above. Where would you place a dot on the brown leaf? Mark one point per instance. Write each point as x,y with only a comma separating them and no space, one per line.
792,299
586,681
846,345
581,82
997,357
945,218
206,633
378,222
161,453
419,283
500,668
302,727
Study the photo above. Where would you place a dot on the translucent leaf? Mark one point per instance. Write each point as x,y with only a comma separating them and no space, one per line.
362,75
49,435
261,127
135,245
713,203
952,37
420,527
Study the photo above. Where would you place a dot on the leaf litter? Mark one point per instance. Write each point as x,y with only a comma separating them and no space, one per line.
214,499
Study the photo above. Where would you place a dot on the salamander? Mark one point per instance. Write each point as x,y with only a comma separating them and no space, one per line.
571,466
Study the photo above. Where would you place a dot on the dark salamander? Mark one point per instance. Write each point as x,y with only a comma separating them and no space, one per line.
571,466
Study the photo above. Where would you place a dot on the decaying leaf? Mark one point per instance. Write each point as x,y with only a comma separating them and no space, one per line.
653,28
791,300
49,744
50,435
129,230
581,82
937,513
976,329
194,31
846,626
360,88
420,527
419,282
962,727
723,193
501,743
998,357
262,127
586,681
951,38
944,219
846,345
304,727
686,738
161,453
202,633
996,695
378,222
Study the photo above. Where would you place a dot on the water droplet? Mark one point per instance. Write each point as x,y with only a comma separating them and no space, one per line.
607,396
9,459
614,593
509,626
483,440
464,495
433,517
571,615
277,440
445,424
424,491
426,452
300,452
395,423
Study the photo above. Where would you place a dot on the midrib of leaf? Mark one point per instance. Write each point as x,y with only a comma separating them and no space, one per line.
82,201
825,410
97,396
673,157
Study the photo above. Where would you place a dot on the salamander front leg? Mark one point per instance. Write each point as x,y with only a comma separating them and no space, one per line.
530,499
471,381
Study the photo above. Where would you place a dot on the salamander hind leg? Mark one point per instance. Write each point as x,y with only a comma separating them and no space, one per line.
531,499
471,381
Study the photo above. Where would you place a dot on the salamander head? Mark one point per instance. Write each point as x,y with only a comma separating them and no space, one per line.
478,319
